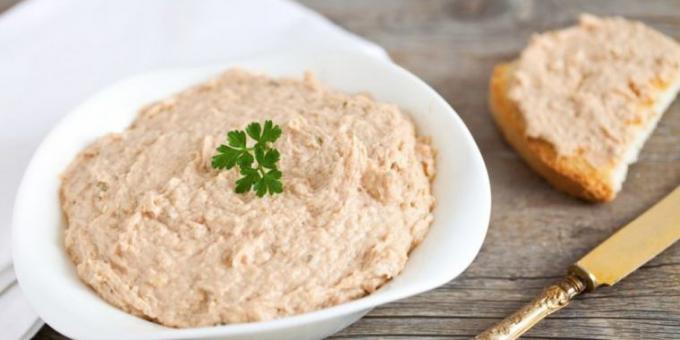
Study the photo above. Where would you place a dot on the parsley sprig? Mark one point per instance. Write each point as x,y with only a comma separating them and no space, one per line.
263,177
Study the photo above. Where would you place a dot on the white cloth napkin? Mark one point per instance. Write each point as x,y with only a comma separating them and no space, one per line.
55,53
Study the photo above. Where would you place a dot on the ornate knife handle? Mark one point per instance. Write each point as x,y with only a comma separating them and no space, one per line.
552,299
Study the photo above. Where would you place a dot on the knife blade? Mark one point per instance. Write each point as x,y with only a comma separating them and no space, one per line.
621,254
633,245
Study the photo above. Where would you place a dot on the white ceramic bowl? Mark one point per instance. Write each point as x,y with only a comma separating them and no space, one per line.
48,278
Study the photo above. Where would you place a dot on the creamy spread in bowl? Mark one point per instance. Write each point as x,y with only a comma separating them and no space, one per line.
154,230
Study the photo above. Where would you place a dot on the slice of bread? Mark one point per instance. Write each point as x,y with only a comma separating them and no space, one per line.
576,173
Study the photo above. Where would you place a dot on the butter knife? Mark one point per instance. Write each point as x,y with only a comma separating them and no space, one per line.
621,254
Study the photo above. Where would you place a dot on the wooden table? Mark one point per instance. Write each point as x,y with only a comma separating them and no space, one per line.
535,231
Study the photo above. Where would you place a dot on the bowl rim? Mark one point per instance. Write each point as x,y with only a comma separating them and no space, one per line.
354,306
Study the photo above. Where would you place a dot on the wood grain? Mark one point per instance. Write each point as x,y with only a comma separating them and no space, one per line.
535,231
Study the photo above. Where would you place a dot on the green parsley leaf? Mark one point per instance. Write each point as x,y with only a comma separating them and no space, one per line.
250,178
270,158
271,132
269,183
263,177
245,160
226,158
237,139
259,154
253,131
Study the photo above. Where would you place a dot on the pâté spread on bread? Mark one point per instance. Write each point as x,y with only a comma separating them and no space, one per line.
586,98
155,230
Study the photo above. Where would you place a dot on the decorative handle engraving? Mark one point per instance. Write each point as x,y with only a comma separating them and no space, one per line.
552,299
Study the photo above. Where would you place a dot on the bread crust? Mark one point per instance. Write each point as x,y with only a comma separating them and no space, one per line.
571,174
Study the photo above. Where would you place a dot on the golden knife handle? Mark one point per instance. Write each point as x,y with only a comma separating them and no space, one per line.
552,299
